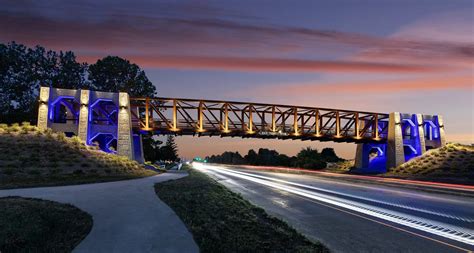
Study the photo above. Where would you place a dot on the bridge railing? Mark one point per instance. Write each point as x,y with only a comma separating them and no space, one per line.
224,118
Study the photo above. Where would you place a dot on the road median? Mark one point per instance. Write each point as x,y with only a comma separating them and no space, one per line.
222,221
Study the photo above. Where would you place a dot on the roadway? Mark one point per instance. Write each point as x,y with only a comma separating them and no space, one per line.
349,216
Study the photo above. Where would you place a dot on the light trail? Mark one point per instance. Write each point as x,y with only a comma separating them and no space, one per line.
468,188
459,234
449,216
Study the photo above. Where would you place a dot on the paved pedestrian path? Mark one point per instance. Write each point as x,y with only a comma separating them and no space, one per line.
128,216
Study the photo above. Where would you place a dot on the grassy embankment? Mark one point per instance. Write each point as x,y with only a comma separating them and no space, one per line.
222,221
451,163
31,157
33,225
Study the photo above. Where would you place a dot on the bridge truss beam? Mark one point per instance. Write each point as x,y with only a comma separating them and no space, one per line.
256,120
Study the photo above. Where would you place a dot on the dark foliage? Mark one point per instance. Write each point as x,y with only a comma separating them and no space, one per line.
23,70
307,158
114,74
153,149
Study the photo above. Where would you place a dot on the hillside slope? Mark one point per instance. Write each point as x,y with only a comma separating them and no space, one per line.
32,157
453,162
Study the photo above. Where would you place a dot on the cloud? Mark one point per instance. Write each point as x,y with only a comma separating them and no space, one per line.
429,83
445,37
269,64
212,33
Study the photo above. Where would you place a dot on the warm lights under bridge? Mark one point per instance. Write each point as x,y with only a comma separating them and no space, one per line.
256,120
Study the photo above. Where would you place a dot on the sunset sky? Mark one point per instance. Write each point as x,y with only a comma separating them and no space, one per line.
411,56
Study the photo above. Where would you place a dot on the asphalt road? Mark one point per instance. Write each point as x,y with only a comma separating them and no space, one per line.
357,217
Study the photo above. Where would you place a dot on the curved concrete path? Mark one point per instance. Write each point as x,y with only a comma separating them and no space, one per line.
128,216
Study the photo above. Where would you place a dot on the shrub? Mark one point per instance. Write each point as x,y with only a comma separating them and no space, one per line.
24,131
14,128
76,141
85,165
48,132
61,136
34,172
55,171
78,172
53,164
8,171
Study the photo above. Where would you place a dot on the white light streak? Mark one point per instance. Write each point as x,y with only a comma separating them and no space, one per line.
460,234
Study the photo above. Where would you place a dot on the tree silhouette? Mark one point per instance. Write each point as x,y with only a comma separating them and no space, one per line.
329,155
23,70
169,151
114,74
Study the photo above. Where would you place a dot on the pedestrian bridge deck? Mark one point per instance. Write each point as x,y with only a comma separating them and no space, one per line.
256,120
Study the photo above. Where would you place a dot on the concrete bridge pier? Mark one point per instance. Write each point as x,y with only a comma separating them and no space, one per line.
93,116
409,136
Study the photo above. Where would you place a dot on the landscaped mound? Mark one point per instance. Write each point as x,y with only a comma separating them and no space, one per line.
33,157
453,161
34,225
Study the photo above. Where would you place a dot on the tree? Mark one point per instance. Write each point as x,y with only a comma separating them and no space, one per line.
70,74
114,74
151,148
329,155
267,157
169,151
23,70
309,158
251,157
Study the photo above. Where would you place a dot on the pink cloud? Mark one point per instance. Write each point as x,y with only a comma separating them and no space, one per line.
269,64
429,83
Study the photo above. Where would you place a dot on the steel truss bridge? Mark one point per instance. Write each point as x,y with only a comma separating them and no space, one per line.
117,123
256,120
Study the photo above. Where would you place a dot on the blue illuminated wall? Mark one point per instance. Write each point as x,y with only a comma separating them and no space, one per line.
411,136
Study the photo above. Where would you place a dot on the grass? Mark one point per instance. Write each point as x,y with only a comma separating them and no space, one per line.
451,163
341,167
33,225
222,221
32,157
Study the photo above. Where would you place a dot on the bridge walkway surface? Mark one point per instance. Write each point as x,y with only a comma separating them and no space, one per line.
128,216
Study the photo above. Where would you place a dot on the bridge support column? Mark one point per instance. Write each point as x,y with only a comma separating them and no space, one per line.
138,148
362,156
83,126
43,109
421,133
442,135
395,150
124,125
